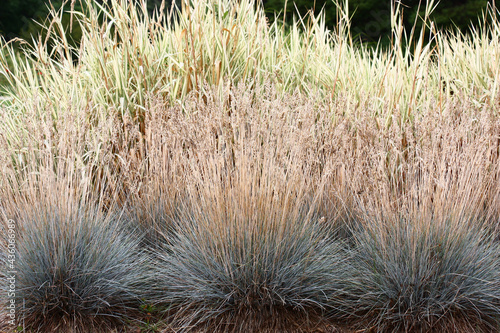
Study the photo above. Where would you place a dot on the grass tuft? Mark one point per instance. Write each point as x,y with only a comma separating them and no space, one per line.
246,258
251,280
76,271
427,276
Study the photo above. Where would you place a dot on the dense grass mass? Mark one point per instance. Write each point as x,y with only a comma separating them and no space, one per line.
242,260
209,171
427,276
76,271
246,277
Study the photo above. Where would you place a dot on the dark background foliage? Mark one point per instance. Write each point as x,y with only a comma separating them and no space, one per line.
370,18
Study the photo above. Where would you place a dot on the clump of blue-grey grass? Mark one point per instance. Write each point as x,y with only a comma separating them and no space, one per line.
76,270
240,259
426,276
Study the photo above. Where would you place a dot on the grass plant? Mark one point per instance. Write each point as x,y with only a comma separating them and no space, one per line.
242,259
76,271
125,55
426,275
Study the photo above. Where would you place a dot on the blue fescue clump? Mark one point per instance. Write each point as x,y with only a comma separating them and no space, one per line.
247,275
427,277
77,271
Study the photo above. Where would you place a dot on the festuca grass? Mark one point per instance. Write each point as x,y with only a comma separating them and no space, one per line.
76,271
